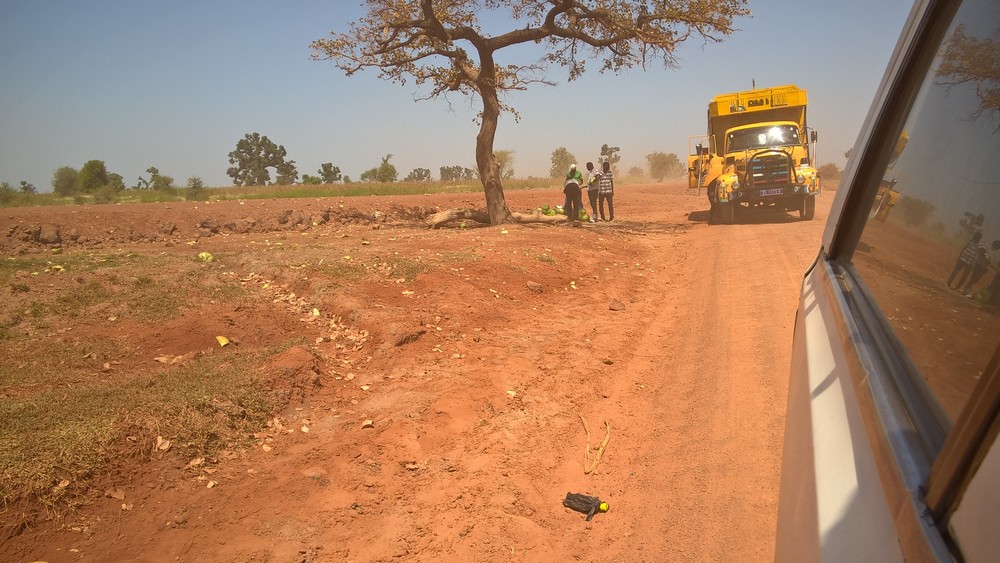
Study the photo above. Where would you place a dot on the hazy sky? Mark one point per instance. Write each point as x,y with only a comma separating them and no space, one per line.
176,84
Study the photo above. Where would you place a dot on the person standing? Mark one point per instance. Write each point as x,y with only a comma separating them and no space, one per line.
573,174
984,261
592,187
572,187
606,192
966,260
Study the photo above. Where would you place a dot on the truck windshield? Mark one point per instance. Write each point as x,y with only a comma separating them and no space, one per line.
768,136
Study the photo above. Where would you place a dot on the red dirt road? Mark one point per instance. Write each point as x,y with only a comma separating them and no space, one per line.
675,332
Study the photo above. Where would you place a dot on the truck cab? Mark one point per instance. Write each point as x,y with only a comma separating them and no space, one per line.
759,154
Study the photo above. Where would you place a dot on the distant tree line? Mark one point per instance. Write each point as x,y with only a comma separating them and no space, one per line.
661,165
256,157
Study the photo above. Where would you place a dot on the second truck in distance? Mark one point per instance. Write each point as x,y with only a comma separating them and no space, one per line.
759,153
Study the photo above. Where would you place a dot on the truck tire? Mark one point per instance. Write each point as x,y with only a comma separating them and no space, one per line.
807,210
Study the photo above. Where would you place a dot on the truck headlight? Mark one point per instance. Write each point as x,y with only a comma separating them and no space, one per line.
800,179
736,185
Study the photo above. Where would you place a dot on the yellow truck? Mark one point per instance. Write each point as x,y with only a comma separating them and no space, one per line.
758,153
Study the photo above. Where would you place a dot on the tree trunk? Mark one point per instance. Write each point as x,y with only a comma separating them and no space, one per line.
489,169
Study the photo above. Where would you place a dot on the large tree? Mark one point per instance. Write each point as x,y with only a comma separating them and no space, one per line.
561,160
443,46
254,154
329,173
93,175
505,162
418,175
662,165
610,155
65,181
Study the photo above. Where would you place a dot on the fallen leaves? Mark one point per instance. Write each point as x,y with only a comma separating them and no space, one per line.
162,444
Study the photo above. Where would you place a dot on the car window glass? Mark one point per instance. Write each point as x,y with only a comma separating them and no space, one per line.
930,248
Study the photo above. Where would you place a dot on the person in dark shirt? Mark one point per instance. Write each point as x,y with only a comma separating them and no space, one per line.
572,188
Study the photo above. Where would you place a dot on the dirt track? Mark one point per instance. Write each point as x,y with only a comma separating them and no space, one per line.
675,332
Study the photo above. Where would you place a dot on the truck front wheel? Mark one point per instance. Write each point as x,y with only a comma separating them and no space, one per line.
807,209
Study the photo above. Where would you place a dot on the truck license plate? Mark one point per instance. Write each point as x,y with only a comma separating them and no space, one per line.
771,192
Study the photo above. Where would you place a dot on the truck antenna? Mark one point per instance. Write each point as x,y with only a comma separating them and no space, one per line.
753,83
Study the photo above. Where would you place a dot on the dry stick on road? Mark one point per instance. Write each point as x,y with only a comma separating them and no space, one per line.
590,464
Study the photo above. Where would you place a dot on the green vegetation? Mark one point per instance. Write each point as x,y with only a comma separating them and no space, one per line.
383,173
65,423
561,160
70,409
664,165
346,189
253,156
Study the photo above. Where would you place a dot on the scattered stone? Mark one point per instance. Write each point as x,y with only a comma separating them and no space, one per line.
535,287
608,361
368,424
48,234
616,305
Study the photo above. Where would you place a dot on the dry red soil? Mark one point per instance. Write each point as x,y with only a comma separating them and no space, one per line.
476,375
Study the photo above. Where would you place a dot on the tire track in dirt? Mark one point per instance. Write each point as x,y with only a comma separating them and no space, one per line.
705,394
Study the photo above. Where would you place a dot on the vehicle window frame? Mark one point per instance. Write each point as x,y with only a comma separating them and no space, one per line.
934,458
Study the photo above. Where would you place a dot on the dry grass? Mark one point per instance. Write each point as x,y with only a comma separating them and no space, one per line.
67,417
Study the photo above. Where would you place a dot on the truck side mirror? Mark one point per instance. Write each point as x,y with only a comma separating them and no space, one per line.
813,136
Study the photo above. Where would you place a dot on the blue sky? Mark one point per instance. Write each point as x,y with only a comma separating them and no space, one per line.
176,84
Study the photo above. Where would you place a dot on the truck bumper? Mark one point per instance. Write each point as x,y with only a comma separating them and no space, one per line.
788,196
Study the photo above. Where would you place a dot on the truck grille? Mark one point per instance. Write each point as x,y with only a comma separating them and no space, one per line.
769,169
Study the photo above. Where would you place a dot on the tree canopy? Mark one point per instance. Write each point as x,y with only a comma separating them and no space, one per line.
254,154
610,155
561,160
505,162
456,173
329,173
663,165
385,173
443,46
93,175
968,59
65,181
418,175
